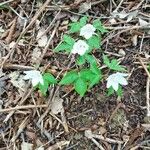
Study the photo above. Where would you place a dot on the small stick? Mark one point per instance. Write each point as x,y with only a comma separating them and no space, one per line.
3,3
22,107
17,67
147,72
147,96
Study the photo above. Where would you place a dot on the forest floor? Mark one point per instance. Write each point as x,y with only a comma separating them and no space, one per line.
94,121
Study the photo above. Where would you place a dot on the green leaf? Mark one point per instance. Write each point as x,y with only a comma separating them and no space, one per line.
95,80
43,88
106,60
110,91
62,47
74,27
49,78
94,68
83,21
80,60
115,66
69,78
69,40
94,42
90,59
86,74
80,86
119,91
98,25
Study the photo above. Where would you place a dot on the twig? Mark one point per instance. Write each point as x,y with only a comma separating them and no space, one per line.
11,31
18,67
144,67
3,3
22,107
147,96
119,5
128,27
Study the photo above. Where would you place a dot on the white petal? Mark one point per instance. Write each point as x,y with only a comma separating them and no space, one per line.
122,81
87,31
80,47
115,86
109,83
122,74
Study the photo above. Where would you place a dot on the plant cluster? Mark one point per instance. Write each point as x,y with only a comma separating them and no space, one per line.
82,39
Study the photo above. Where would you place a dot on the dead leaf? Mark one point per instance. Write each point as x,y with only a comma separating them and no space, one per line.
17,80
134,40
143,22
40,148
84,7
36,55
1,30
2,82
57,106
58,145
132,15
121,14
41,39
26,146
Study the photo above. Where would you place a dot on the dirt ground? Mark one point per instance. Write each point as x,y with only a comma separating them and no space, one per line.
94,121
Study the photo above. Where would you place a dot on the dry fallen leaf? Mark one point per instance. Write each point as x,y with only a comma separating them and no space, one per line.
57,106
143,22
26,146
41,39
134,40
17,80
84,7
36,55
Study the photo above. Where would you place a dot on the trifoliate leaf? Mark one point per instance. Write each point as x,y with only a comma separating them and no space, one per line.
115,66
74,27
49,78
80,86
63,46
83,21
69,40
98,25
69,78
94,42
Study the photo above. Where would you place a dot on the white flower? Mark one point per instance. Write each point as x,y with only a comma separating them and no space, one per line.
115,79
87,31
35,77
80,47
